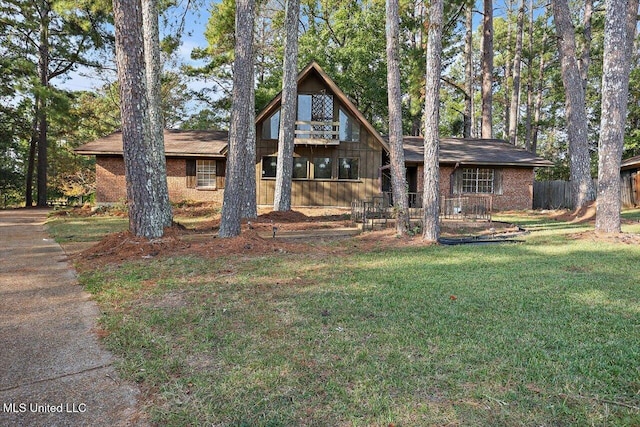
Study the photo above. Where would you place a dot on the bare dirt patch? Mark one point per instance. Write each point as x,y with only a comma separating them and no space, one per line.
582,215
595,236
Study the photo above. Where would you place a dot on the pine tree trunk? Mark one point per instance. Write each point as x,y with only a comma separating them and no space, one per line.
396,153
619,33
288,109
431,195
582,188
154,75
241,113
43,125
585,59
145,218
468,72
31,161
537,106
249,205
529,116
517,65
487,70
508,70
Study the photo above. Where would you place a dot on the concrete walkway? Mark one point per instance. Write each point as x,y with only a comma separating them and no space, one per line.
50,358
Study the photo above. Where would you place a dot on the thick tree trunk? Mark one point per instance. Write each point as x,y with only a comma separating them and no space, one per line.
145,217
154,76
517,65
431,194
487,70
468,72
288,109
619,32
579,158
241,113
396,153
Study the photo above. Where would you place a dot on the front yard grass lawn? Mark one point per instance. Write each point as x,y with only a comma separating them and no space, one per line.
540,333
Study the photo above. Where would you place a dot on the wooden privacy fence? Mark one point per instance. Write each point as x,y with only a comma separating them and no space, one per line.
557,194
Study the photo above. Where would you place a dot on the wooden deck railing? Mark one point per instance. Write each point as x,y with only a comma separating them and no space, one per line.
317,130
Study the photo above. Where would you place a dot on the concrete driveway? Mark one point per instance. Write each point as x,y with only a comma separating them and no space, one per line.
53,371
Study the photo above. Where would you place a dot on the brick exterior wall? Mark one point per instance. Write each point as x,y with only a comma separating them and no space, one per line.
110,182
517,184
111,186
517,187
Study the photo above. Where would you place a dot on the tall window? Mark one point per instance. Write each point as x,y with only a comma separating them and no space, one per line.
316,113
477,180
271,126
348,168
206,173
349,127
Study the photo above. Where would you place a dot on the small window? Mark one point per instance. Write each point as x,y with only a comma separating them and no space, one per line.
269,165
300,168
206,173
322,168
348,168
271,126
477,180
349,128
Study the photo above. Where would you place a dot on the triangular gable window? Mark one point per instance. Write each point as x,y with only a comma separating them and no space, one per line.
349,127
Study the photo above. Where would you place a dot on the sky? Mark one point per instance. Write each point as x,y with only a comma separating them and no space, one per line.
195,23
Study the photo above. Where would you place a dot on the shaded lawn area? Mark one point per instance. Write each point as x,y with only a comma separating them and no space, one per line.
545,332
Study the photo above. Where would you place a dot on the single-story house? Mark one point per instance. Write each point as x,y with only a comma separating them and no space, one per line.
630,179
338,157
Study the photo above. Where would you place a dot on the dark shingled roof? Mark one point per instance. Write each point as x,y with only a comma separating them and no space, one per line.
182,143
493,152
630,163
208,143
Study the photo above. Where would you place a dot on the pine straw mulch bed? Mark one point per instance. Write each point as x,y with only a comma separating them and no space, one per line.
203,241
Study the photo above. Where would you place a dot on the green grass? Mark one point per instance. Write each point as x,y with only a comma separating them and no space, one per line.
65,229
543,332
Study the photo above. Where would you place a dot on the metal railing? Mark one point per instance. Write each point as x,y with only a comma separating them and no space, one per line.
473,207
460,207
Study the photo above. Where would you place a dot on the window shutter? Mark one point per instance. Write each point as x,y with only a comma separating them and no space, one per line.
221,167
456,182
221,170
191,173
497,181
